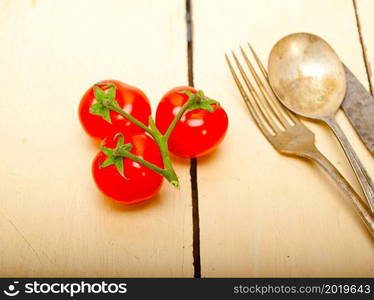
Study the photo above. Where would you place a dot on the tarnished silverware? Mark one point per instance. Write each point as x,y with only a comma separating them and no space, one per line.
358,106
284,131
309,79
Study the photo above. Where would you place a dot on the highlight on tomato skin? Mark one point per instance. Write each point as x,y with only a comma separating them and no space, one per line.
139,183
131,99
198,132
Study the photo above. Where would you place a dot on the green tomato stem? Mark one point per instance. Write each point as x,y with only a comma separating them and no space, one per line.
131,118
168,171
143,162
161,140
170,174
177,118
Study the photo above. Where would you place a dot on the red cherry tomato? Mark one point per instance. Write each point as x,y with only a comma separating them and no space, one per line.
198,132
130,99
142,183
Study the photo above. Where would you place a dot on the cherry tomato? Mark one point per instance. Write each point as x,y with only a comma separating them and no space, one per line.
198,132
130,99
139,183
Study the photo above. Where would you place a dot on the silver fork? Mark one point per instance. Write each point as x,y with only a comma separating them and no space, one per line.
285,132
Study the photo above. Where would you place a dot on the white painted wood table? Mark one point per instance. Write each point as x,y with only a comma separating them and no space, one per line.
260,213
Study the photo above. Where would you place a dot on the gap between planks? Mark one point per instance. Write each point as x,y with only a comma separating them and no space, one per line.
363,47
193,162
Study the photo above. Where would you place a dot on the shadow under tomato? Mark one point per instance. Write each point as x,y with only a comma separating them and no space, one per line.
95,143
181,161
121,207
184,161
209,158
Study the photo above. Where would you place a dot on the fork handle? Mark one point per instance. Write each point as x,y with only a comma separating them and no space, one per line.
361,207
363,177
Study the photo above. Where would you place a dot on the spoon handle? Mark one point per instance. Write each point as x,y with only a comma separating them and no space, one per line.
360,206
360,171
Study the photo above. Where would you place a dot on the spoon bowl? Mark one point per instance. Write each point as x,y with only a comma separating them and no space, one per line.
308,78
307,75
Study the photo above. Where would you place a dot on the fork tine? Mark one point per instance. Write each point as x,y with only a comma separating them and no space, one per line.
268,99
259,63
261,107
247,102
273,98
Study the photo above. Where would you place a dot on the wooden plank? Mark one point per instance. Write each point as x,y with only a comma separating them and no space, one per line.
53,220
365,10
261,213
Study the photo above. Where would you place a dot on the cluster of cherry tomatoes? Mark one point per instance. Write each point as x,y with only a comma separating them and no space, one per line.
196,133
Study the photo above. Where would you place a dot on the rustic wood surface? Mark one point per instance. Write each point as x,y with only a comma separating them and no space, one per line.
272,215
260,213
53,220
364,8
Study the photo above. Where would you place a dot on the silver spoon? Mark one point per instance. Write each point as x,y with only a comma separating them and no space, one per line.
309,79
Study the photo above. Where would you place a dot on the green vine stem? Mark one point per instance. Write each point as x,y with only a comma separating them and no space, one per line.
177,117
106,102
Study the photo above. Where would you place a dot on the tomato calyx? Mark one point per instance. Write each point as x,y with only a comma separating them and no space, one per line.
121,151
116,155
106,102
195,101
199,101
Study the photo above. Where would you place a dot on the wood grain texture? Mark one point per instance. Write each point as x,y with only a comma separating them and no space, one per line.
365,10
261,213
53,220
